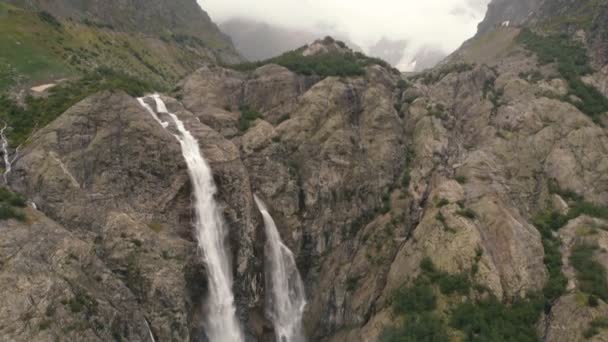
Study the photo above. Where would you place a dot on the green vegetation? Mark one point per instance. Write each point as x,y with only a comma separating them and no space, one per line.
351,283
547,224
442,203
323,65
461,179
572,63
491,320
248,115
49,19
467,213
418,298
39,48
406,177
41,111
425,327
591,275
82,302
386,204
156,226
403,85
550,222
417,303
485,319
595,326
10,204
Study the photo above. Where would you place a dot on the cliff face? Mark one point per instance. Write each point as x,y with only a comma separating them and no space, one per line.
480,184
516,12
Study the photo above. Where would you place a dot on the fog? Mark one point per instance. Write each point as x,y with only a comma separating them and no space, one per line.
437,24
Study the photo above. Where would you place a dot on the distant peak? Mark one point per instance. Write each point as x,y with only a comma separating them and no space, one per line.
326,45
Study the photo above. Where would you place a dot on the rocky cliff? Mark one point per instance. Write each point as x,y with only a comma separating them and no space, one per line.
468,202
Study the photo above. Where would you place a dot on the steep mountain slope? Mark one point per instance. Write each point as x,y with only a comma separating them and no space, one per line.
44,41
467,203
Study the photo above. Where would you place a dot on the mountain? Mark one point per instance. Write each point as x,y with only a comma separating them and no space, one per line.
158,41
258,41
468,202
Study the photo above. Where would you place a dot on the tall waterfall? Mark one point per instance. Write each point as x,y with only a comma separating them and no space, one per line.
287,300
221,324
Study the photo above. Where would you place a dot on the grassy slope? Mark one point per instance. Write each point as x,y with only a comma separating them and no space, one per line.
33,51
24,55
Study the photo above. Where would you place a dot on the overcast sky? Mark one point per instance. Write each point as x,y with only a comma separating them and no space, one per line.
440,23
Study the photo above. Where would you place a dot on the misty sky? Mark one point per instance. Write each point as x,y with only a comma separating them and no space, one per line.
440,23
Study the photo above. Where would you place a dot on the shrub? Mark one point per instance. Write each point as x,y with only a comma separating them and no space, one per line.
491,320
49,19
248,115
402,84
572,63
595,326
425,327
454,283
591,275
328,64
467,213
10,204
416,299
351,283
592,301
442,203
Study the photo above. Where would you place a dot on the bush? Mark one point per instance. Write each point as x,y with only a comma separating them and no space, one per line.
328,64
426,327
49,19
591,275
467,213
442,203
572,63
248,115
454,283
416,299
10,204
595,326
491,320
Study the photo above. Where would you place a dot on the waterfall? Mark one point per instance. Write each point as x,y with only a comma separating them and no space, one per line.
287,299
7,161
221,324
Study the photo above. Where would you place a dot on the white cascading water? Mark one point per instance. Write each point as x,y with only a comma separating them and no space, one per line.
7,161
221,324
288,300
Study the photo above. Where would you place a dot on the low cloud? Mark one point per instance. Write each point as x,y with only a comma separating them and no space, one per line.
440,24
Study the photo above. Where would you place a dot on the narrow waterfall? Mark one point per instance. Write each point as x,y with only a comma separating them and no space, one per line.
287,299
7,161
221,324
